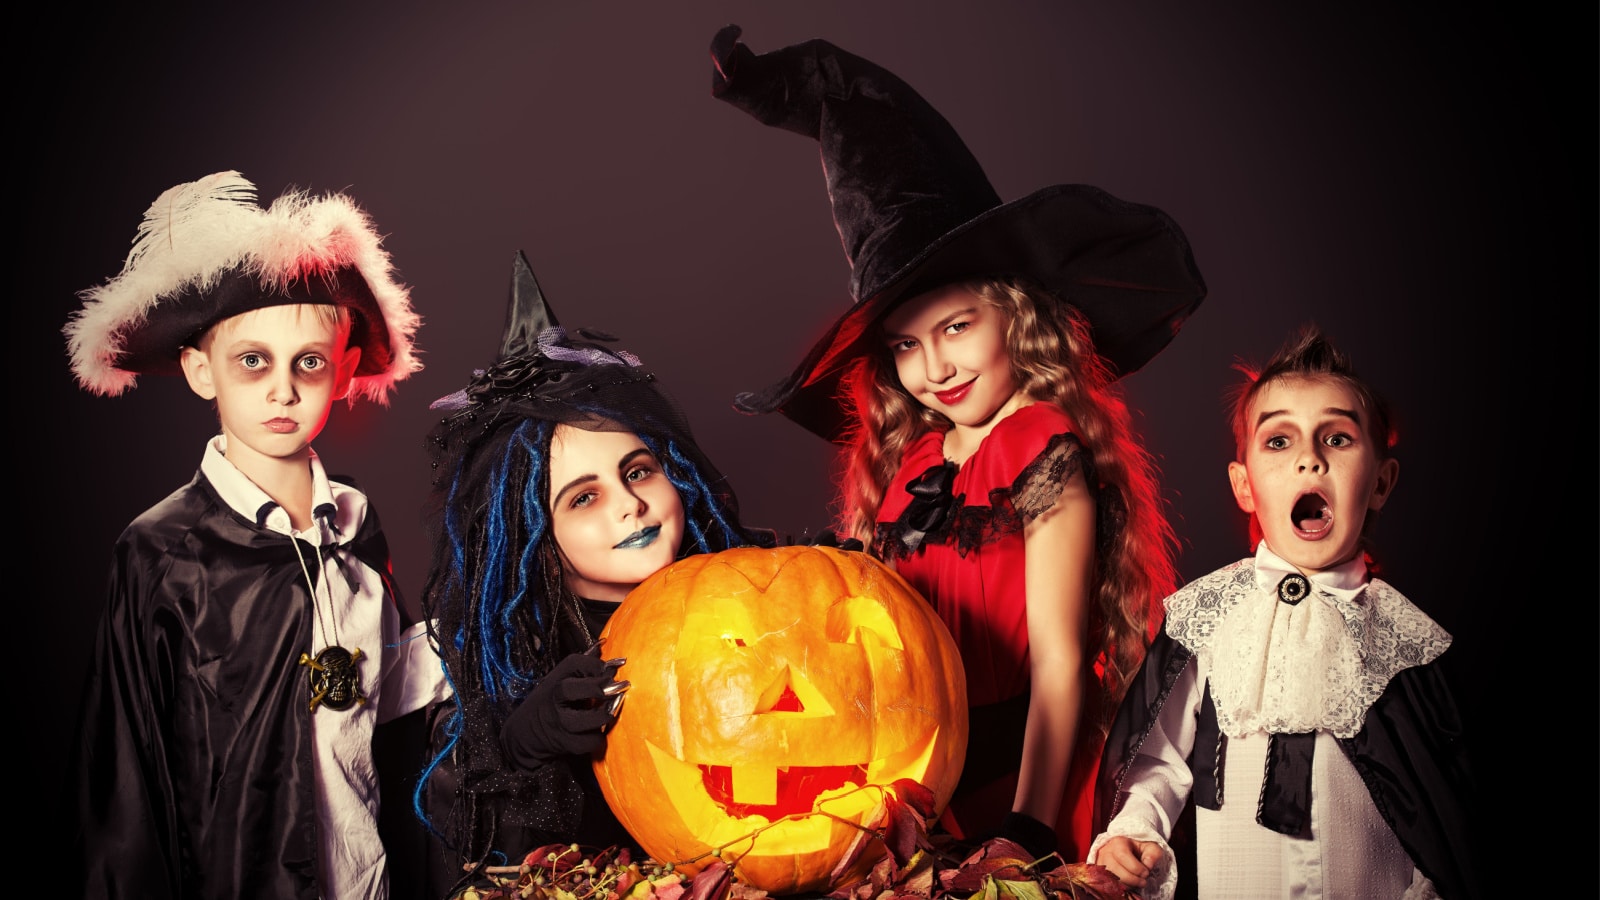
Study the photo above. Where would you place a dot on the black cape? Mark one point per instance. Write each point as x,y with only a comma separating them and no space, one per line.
195,775
1410,752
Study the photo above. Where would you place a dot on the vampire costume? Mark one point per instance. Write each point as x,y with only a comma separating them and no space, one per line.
1311,725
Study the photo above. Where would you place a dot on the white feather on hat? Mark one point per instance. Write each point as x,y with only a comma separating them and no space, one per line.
200,234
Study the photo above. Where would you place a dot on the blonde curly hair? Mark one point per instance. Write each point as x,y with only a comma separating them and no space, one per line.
1053,360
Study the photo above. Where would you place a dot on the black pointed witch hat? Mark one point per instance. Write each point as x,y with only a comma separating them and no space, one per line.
547,372
528,315
915,210
543,363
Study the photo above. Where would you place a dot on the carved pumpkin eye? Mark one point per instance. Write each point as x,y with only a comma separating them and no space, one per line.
776,694
850,618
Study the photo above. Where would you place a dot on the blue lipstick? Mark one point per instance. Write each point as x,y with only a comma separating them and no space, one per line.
640,539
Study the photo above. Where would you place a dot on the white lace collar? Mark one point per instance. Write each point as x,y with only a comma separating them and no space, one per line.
1290,668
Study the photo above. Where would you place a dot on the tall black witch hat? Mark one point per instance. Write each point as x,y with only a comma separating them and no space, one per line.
914,211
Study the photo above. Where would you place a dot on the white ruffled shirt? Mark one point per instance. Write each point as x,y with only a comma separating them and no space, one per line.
1274,667
399,672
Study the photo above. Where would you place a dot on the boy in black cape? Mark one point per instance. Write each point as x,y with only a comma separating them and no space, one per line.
252,644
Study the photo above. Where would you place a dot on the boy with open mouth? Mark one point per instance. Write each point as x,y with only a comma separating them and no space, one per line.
1293,696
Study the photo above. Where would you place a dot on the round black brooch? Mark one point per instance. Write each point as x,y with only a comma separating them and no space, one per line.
1293,588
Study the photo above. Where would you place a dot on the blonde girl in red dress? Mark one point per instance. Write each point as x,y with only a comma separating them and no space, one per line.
989,455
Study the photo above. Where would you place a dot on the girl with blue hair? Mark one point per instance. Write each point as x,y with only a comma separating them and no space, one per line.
564,477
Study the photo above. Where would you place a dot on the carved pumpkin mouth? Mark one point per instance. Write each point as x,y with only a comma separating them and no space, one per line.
794,789
756,794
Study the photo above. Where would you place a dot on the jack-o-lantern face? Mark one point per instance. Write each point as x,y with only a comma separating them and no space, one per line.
776,693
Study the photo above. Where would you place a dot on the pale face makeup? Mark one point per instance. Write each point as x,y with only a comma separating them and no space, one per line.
1311,471
615,516
274,373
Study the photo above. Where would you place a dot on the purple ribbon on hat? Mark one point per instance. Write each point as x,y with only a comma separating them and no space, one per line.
552,343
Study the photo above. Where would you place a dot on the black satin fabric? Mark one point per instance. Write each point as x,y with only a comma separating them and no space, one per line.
1285,804
1410,752
195,773
1205,760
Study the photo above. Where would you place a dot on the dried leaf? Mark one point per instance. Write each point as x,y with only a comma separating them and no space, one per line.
905,833
919,881
1087,880
916,795
670,891
882,875
630,877
1005,848
1020,890
976,870
843,891
859,845
712,882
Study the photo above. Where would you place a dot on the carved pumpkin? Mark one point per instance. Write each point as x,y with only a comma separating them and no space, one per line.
774,694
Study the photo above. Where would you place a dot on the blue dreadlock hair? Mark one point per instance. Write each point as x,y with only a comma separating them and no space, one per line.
499,610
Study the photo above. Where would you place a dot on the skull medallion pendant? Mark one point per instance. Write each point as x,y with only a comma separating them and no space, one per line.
335,680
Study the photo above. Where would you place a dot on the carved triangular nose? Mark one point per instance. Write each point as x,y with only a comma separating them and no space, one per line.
788,701
790,693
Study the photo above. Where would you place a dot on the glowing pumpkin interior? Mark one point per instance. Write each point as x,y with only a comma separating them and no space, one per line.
776,694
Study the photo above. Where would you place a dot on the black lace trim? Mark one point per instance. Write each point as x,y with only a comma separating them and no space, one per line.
936,516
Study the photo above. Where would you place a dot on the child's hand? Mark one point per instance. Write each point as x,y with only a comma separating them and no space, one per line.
1129,860
568,712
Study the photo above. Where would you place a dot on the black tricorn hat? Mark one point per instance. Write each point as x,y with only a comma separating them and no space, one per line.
915,211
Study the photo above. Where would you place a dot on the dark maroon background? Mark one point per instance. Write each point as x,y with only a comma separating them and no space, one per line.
1419,183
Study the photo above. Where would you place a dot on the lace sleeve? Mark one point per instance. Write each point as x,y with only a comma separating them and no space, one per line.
1039,485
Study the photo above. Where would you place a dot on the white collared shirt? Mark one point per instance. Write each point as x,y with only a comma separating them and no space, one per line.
399,673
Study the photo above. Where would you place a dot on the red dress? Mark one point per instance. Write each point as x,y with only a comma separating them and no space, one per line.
956,535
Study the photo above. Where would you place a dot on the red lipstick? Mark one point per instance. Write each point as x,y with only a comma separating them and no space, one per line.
955,394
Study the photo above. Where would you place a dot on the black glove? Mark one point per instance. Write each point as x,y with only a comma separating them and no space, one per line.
568,712
1031,834
827,537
